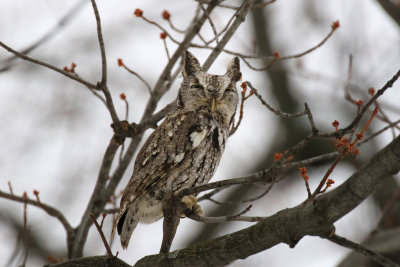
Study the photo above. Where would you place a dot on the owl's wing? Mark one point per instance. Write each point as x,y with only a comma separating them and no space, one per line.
165,148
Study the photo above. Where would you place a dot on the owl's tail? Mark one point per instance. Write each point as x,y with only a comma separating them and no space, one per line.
126,226
126,223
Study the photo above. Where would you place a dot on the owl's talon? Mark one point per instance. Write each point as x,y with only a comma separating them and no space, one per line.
191,203
197,209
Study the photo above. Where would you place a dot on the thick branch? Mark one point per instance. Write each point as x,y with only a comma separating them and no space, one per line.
391,9
98,261
290,225
96,202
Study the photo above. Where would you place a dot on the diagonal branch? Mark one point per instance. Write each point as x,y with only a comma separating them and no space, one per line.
159,90
290,225
61,24
378,258
240,16
49,66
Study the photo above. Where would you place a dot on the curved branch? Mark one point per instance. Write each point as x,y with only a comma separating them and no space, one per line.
50,210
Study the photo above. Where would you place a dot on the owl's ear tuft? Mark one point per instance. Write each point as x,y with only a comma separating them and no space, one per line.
233,70
190,64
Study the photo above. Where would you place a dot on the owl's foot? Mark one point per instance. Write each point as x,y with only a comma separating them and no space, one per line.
191,203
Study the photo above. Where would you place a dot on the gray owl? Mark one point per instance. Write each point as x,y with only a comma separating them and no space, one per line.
185,149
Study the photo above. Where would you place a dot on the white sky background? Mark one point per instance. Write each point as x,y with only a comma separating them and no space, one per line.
54,132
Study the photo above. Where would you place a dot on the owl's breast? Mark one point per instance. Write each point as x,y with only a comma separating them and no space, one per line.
200,141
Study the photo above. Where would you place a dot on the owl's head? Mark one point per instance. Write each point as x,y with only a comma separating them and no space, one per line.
203,91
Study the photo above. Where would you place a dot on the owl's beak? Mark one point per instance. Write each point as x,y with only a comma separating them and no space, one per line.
213,104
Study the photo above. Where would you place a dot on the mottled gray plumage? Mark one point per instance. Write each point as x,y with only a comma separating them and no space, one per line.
185,149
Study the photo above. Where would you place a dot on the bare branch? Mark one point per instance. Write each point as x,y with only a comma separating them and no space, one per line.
50,210
159,90
101,43
109,102
276,111
365,107
389,126
334,27
96,202
223,219
264,176
378,258
49,66
103,238
61,24
120,63
244,8
210,20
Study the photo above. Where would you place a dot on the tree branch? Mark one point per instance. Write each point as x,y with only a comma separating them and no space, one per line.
96,202
290,225
49,66
50,210
378,258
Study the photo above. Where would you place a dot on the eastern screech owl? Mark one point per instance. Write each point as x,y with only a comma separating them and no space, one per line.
185,149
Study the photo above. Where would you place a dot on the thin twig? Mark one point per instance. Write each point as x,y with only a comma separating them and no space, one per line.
52,32
120,63
10,187
103,238
242,100
211,22
161,28
159,88
389,126
224,219
222,31
50,210
210,194
376,257
365,107
109,102
38,62
314,128
103,84
264,176
335,25
235,202
276,111
101,43
175,28
244,8
325,178
309,161
166,48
